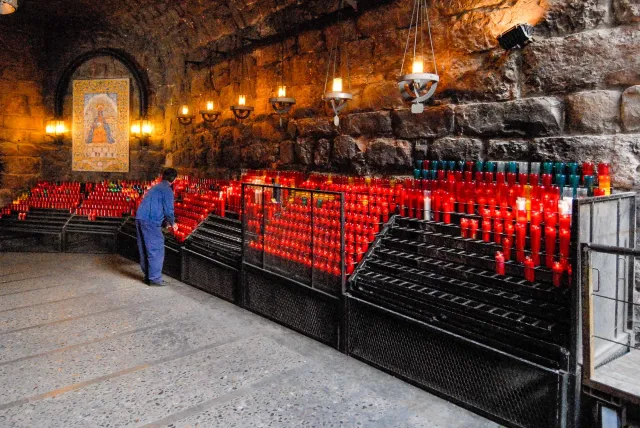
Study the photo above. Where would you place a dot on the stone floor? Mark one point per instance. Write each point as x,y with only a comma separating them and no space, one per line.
84,343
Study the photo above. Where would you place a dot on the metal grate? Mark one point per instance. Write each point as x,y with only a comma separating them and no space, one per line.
508,389
76,241
210,276
301,308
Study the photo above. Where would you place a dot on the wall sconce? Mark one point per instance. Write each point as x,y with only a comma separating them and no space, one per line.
516,37
242,110
8,6
56,129
185,116
209,114
417,87
282,104
141,129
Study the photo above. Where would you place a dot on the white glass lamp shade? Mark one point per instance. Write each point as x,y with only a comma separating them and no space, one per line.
8,6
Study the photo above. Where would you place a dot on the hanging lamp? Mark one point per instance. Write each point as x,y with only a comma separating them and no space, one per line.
209,113
185,115
417,87
282,104
8,6
337,97
242,111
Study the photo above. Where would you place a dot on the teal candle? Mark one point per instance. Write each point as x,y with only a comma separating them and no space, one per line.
419,164
588,183
512,167
574,182
561,180
435,165
573,168
547,167
452,166
417,173
491,166
479,166
425,174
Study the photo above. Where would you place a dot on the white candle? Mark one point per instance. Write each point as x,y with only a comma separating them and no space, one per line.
427,205
51,128
210,105
185,110
135,128
146,128
418,65
60,128
282,91
242,100
337,84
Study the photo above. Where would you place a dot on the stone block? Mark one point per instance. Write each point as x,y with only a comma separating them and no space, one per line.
304,150
529,117
381,95
20,165
455,148
572,16
434,122
631,109
24,122
316,127
594,112
268,130
19,149
367,124
16,105
388,154
16,182
583,61
626,11
321,153
509,150
287,152
346,149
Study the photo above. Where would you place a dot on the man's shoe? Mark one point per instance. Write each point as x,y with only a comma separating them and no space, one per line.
157,284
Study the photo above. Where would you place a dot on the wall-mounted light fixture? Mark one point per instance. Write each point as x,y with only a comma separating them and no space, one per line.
56,129
417,87
8,6
336,97
142,129
516,37
242,111
209,114
185,115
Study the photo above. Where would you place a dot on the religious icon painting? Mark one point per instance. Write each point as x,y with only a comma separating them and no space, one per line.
101,125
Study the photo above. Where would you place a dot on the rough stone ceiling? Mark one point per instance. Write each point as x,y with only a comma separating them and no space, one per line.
194,23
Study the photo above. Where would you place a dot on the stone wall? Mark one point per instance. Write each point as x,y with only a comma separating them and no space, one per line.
22,113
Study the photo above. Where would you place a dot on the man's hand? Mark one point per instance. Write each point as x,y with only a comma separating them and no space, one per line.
175,227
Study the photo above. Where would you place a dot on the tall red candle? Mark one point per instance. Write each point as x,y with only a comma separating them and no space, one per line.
464,227
506,247
500,263
535,236
565,241
521,238
529,272
498,229
486,230
474,229
550,245
446,208
557,274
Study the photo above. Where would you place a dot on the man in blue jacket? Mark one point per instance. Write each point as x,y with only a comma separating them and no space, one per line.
155,208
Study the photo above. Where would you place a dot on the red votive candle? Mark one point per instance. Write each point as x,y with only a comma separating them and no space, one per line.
521,238
506,247
446,212
464,227
536,218
535,236
557,274
550,245
474,229
565,241
486,230
498,228
499,263
529,271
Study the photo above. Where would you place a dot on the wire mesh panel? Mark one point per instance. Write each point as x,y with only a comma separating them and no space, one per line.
506,388
98,237
296,306
210,275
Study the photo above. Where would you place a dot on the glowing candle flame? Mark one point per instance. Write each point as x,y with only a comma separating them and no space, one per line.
185,110
135,128
60,128
337,84
418,65
282,91
210,105
242,100
146,128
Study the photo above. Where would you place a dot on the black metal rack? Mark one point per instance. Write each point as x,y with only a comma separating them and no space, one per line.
41,231
212,257
426,305
98,236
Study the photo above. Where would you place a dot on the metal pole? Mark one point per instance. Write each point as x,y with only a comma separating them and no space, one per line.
313,255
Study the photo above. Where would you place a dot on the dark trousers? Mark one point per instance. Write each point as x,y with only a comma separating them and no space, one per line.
151,248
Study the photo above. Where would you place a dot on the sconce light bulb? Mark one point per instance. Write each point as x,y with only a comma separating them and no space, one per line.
185,110
147,129
210,105
282,91
337,84
242,100
135,129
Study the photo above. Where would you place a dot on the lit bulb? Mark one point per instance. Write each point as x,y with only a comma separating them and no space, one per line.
337,84
282,91
418,65
51,128
185,110
242,100
60,129
210,105
135,128
146,128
